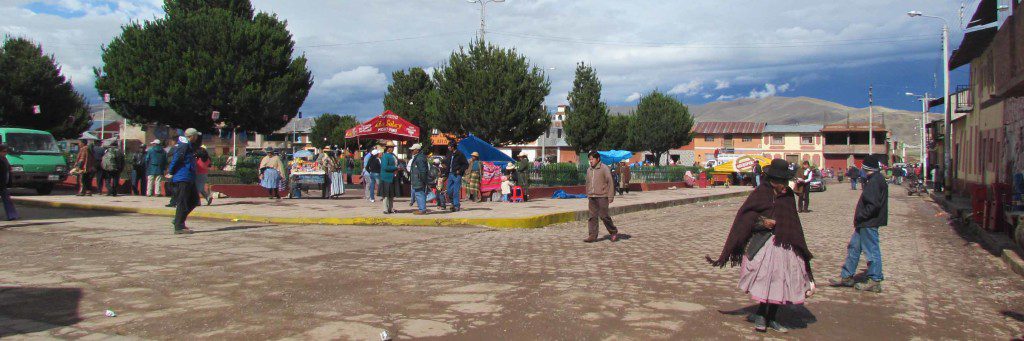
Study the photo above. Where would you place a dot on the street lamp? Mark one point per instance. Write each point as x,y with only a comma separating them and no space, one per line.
483,4
924,121
947,115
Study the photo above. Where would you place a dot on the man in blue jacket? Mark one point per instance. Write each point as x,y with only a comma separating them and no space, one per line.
182,173
872,212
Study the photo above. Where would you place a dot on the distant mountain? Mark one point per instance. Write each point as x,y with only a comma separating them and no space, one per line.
801,110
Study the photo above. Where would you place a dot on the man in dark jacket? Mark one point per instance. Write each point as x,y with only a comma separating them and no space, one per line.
872,212
457,166
419,178
5,184
182,173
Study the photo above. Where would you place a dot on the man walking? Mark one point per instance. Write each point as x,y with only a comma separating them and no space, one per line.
419,178
156,166
854,176
600,193
113,165
757,173
457,165
803,182
872,212
183,176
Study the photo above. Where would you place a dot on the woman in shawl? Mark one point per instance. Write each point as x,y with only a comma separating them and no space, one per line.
768,241
472,180
272,173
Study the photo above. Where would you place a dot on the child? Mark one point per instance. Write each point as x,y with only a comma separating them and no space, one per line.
506,188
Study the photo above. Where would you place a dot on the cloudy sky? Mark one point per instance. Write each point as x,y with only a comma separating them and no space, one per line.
699,51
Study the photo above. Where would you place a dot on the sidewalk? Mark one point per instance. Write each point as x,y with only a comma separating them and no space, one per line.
353,210
997,243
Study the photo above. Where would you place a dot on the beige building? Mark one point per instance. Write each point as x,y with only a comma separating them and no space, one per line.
794,143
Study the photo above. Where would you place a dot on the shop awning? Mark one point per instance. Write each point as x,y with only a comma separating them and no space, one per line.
386,126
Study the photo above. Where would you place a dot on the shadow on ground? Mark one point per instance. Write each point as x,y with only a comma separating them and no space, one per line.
53,307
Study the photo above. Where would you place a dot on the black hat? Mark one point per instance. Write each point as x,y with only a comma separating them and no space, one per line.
779,169
873,161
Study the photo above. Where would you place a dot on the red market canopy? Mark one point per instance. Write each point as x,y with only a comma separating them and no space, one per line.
386,126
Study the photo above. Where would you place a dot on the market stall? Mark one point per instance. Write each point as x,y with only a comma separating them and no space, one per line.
742,164
493,161
386,126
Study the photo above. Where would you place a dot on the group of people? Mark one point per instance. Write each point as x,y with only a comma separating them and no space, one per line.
107,163
767,242
800,183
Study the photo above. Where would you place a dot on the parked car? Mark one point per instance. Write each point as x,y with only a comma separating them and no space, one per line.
817,183
36,162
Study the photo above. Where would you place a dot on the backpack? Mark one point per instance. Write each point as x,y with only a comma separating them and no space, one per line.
113,160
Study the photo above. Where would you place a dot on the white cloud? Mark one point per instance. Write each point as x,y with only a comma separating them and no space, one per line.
725,97
634,97
363,77
706,96
769,90
689,89
721,84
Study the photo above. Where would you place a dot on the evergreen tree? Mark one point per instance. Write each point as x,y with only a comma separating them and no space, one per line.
664,123
407,96
492,93
326,131
586,119
206,55
619,135
29,78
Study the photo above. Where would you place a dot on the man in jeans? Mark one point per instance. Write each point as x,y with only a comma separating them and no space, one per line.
419,178
457,165
182,173
872,212
600,193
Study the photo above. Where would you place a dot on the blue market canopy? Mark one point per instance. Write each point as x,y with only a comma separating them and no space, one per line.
487,152
303,153
613,156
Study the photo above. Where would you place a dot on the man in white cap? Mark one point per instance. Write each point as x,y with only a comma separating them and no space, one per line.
371,174
419,178
182,173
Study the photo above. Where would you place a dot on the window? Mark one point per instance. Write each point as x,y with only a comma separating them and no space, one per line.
728,137
709,138
747,139
806,139
778,139
559,133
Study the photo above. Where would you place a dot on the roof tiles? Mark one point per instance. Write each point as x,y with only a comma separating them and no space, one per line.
729,127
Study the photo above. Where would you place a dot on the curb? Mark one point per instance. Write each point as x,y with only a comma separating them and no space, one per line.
537,221
994,242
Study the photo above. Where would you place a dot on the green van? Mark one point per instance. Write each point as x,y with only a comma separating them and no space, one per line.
35,160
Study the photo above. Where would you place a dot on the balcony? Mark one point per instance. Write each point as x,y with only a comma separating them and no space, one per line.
962,100
852,149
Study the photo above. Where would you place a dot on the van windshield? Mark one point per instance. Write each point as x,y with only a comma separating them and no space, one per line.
32,143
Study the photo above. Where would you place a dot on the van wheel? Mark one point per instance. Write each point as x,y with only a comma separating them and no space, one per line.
44,189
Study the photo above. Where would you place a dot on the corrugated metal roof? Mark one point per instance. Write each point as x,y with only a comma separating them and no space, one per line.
793,128
729,127
859,126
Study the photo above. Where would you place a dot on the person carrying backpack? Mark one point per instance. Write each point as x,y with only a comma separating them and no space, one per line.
113,165
137,172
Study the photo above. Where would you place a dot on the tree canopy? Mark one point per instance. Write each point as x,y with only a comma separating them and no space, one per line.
206,56
586,118
491,92
619,135
663,122
407,96
29,78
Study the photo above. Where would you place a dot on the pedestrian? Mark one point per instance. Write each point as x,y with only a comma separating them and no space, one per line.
183,175
600,194
472,179
156,166
457,165
350,167
419,178
625,177
86,165
803,184
272,173
203,164
854,176
113,165
6,180
757,173
98,149
181,140
871,213
136,159
388,171
371,174
767,240
524,167
329,165
440,179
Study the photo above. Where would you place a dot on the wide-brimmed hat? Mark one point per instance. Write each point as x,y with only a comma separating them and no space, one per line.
389,144
779,169
511,166
475,154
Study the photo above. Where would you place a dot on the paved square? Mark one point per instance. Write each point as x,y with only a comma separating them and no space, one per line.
62,269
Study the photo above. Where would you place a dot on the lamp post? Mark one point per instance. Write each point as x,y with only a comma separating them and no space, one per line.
483,4
924,121
947,162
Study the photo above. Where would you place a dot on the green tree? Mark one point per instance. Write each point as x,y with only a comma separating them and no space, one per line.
664,123
586,119
407,96
206,56
326,131
29,78
619,135
492,93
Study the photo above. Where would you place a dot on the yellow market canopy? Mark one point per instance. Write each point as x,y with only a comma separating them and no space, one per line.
742,164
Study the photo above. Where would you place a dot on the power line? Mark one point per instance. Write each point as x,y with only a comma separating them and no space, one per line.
744,45
368,42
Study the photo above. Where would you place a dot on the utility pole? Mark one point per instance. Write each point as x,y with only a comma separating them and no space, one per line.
924,143
871,125
483,5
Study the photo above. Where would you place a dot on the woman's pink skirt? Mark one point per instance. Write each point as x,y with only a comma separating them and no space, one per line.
776,275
